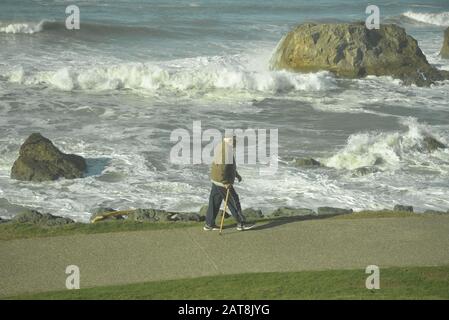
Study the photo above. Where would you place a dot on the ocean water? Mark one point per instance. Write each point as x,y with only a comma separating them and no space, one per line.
137,70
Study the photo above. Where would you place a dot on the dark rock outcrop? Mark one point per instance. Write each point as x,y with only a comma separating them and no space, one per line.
252,213
143,215
43,219
332,211
351,50
363,171
40,160
445,49
306,162
403,208
155,215
187,216
291,212
150,215
431,144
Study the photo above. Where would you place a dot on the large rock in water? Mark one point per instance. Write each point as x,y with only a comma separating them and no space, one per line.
307,162
445,49
40,160
351,50
431,144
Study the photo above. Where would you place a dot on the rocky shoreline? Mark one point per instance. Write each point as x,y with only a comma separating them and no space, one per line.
140,215
40,160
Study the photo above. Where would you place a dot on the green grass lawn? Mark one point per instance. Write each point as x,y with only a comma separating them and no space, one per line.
9,231
395,283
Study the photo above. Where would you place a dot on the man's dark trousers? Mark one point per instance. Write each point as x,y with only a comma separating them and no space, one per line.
217,195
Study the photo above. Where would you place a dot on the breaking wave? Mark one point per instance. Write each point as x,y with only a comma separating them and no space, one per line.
391,150
25,27
197,74
439,19
88,29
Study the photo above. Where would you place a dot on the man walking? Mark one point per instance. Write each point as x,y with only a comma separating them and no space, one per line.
223,174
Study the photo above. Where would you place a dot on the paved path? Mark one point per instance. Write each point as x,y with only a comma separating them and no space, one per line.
32,265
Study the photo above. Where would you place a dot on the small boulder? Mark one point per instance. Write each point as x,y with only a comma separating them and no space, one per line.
431,144
28,216
363,171
291,212
39,160
307,162
252,213
150,215
190,216
37,218
403,208
445,49
379,161
332,211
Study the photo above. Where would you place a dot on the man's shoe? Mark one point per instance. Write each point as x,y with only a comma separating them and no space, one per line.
209,228
244,227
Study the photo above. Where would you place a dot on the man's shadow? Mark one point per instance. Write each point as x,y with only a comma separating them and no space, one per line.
279,221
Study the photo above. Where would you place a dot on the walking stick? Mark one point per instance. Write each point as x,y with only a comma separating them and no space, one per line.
224,212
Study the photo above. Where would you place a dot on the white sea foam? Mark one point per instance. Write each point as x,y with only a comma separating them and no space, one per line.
439,19
194,75
389,150
16,74
25,27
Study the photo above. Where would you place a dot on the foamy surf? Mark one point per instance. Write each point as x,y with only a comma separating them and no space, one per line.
197,75
24,27
438,19
392,150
